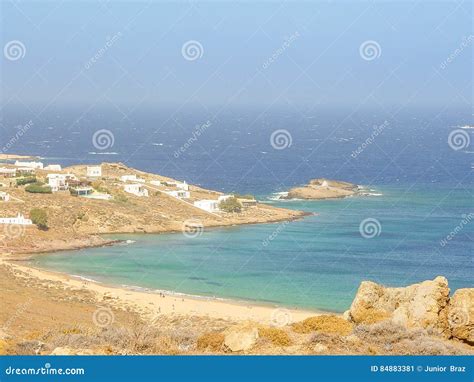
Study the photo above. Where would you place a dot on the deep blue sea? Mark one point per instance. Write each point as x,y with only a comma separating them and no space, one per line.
419,190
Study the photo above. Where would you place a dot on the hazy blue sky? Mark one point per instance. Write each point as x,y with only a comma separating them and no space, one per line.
423,53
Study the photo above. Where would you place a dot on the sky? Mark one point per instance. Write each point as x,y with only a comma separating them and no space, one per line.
302,55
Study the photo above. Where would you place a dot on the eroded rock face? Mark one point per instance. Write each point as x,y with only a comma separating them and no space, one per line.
461,315
240,337
423,305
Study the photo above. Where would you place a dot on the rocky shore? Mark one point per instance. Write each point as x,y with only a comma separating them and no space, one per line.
318,189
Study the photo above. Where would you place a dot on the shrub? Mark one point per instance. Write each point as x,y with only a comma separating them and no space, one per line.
23,181
230,205
212,341
38,188
324,323
277,336
39,217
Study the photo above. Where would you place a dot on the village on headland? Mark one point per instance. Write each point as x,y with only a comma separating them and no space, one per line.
67,208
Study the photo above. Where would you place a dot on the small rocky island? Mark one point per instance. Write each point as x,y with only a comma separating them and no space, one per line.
323,189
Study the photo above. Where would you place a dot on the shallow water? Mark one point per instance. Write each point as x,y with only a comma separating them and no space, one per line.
317,262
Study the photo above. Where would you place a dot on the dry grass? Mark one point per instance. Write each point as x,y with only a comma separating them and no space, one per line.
276,336
212,341
324,323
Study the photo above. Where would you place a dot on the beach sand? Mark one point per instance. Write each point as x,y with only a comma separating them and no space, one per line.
150,304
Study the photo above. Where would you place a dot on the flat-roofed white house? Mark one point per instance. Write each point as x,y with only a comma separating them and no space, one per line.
207,205
155,182
136,189
183,186
53,167
4,197
18,220
131,178
59,182
180,194
8,172
81,191
29,170
94,171
35,165
224,197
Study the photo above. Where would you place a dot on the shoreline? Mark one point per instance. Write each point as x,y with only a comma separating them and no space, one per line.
150,304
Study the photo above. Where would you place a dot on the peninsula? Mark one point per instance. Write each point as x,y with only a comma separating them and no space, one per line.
81,202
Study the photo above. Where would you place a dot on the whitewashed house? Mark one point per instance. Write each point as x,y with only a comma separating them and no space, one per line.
224,197
136,189
207,205
19,220
4,197
180,194
8,172
53,167
155,182
28,170
131,178
183,186
94,171
35,165
59,182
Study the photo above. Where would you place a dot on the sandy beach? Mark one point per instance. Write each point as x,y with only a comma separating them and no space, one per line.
151,304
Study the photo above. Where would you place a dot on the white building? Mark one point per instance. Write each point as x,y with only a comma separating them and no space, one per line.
53,167
19,220
8,172
136,189
180,194
28,170
94,171
131,178
183,186
4,197
59,181
224,197
35,165
207,205
155,182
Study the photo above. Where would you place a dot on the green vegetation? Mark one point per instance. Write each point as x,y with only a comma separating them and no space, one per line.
39,217
99,186
38,188
230,205
23,181
120,198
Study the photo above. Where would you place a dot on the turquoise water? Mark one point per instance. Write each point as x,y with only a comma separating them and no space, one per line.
317,262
